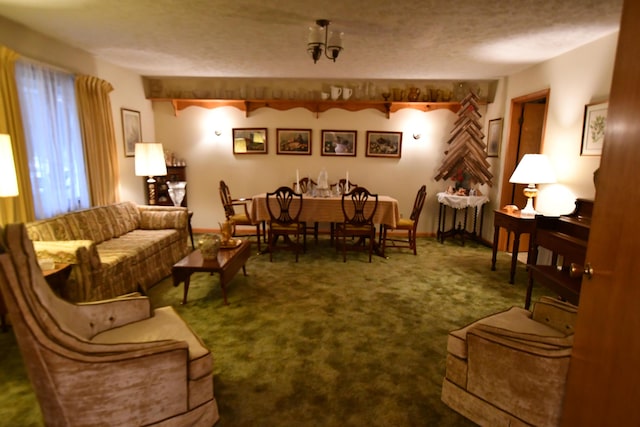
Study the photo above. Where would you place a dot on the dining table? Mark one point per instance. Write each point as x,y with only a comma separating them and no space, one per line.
328,209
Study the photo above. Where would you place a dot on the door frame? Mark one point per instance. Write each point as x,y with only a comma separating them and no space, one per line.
511,154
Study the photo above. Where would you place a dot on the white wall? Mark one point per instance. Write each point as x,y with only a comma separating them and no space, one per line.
191,135
579,77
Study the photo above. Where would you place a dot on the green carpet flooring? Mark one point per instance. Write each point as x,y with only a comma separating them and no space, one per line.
322,342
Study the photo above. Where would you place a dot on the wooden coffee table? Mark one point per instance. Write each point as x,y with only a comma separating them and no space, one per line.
228,264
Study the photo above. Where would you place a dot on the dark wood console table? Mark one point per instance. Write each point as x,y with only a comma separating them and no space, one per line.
517,224
460,227
566,237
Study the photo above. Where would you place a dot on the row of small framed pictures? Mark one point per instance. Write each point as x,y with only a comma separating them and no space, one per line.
334,142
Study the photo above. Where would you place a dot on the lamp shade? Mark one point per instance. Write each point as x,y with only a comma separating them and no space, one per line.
150,159
533,169
8,179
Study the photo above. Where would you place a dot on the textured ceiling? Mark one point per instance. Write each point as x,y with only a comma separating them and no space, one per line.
407,39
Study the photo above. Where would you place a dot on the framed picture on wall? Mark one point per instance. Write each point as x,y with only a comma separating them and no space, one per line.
339,142
250,141
595,123
131,130
384,144
293,141
494,136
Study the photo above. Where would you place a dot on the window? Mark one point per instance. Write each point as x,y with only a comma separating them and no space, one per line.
54,143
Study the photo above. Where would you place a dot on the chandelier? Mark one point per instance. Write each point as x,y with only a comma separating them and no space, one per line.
332,44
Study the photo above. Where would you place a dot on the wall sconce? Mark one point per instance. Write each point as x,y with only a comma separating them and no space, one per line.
8,178
533,169
150,162
332,41
417,135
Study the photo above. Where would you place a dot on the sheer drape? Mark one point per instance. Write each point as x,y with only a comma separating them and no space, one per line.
54,144
99,138
14,209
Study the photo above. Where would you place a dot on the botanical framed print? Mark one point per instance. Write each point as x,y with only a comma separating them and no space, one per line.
131,130
293,141
494,136
384,144
595,123
250,141
339,142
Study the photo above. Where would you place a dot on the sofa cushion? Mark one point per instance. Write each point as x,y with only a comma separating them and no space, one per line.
49,229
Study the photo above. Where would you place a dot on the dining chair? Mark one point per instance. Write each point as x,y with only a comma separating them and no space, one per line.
342,184
358,220
242,218
304,188
284,206
410,225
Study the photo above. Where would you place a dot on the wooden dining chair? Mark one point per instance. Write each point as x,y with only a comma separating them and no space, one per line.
242,218
284,206
305,183
358,221
410,225
342,184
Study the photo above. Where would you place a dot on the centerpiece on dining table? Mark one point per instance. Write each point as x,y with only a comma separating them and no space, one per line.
322,189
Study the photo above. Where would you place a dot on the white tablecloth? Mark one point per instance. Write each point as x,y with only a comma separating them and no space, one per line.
461,202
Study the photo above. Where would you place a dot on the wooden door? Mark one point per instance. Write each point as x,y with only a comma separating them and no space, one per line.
603,388
526,131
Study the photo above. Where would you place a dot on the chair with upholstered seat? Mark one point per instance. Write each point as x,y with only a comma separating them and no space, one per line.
238,219
284,206
510,368
410,225
115,362
358,208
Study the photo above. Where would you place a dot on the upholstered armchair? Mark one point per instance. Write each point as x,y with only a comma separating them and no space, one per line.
510,368
113,362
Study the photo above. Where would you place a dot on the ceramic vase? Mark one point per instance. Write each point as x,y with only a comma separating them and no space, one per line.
209,245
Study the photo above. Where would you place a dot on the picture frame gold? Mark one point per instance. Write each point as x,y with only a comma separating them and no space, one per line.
250,141
293,141
383,144
593,128
494,137
131,130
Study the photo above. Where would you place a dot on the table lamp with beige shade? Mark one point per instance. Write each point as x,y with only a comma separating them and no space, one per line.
533,169
150,162
8,178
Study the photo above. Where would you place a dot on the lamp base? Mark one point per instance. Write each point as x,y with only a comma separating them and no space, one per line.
528,209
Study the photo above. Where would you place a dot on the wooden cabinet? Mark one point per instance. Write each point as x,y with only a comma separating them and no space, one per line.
566,237
174,173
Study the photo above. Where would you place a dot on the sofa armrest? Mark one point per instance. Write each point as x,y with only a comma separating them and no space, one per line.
112,313
163,217
76,252
552,345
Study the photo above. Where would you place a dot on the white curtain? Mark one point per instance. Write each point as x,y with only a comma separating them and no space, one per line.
54,143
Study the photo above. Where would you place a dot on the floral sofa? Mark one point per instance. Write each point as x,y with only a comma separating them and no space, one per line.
114,249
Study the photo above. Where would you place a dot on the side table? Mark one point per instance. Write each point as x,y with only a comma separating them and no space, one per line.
517,224
457,203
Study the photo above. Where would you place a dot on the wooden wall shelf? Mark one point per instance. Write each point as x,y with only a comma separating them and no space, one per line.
317,107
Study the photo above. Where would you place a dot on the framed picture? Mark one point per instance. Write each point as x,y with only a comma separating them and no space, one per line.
494,136
131,130
595,123
339,142
250,141
384,144
294,141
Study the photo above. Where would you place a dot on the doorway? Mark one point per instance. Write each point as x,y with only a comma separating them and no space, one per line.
526,135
